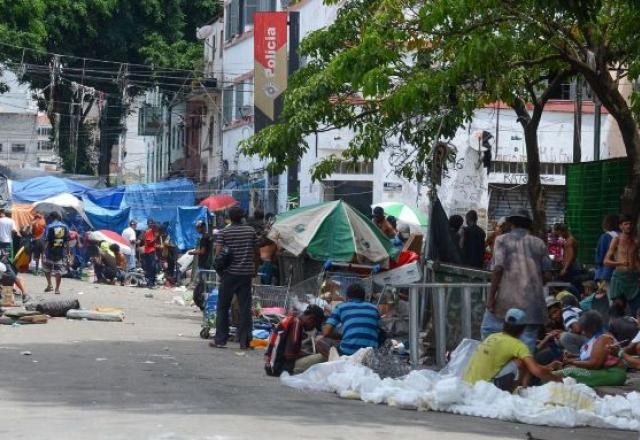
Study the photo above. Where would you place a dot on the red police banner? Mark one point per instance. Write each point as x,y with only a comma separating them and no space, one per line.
271,70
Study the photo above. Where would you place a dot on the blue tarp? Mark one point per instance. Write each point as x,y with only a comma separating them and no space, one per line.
158,201
108,198
183,231
40,188
242,192
112,219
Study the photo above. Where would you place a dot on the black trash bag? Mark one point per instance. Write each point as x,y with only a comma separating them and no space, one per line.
198,295
56,308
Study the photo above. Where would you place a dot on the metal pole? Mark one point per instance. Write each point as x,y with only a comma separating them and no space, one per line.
577,122
597,117
466,312
440,326
413,327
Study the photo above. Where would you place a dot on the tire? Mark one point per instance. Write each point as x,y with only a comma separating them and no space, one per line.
204,333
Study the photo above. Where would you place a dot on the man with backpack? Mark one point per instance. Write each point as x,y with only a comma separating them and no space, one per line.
238,244
287,350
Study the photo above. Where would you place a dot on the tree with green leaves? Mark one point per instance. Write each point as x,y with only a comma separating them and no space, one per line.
403,75
154,39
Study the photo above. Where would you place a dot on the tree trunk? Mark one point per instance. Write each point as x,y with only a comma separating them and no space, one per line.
534,185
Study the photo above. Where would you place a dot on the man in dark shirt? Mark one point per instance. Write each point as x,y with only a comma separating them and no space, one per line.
56,249
241,241
204,250
473,241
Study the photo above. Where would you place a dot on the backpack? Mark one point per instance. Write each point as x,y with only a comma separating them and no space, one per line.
223,260
275,362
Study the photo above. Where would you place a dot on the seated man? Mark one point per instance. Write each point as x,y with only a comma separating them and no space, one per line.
104,264
358,322
9,277
287,350
505,360
121,263
571,339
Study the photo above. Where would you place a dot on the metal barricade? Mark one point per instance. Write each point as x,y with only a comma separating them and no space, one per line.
437,292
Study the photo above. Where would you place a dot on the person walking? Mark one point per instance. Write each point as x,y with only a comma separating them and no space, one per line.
7,228
149,259
473,241
56,251
38,228
622,256
131,236
240,242
519,261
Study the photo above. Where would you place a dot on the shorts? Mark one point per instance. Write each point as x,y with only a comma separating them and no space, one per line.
54,267
507,377
37,247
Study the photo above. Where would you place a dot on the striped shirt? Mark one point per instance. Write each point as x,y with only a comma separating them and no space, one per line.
359,321
241,241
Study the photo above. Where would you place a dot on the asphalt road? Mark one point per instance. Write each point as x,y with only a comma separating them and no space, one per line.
152,377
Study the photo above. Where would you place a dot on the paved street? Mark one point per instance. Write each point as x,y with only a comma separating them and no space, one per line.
151,377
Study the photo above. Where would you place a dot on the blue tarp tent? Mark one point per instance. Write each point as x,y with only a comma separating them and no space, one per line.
183,231
40,188
112,219
158,201
108,198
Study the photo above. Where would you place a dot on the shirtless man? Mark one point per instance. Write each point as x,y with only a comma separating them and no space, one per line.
623,257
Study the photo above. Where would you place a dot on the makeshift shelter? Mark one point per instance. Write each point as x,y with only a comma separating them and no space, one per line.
183,231
40,188
158,201
331,231
68,206
107,198
21,214
111,219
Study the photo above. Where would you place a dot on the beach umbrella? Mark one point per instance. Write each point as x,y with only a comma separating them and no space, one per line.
332,231
112,238
219,202
404,213
70,208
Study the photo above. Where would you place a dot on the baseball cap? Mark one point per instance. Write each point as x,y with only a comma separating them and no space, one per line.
515,316
551,301
519,212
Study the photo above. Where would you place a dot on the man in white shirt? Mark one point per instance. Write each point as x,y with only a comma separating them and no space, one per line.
7,226
129,234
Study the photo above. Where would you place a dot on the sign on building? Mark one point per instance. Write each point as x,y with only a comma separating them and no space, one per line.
271,70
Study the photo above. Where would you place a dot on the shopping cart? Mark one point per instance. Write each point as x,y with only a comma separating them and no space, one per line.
346,274
209,280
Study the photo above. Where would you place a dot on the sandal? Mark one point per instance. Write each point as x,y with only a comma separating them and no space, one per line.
48,289
214,344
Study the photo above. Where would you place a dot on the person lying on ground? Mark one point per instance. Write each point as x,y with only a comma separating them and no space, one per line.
288,350
595,365
502,358
353,325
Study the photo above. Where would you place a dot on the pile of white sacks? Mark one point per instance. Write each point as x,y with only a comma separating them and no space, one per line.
567,404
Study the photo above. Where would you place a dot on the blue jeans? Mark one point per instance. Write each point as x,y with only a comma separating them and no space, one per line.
492,324
150,267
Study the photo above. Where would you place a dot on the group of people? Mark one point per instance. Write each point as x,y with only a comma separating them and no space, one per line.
530,334
388,225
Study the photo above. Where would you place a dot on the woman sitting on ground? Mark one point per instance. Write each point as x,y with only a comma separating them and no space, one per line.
595,366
